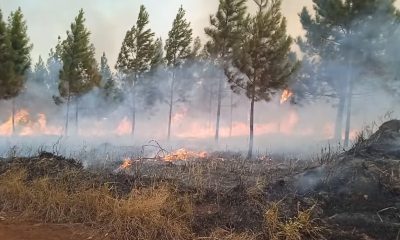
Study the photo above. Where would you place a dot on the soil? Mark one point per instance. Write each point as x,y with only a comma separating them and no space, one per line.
10,230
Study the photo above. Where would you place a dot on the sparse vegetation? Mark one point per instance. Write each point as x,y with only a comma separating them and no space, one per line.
294,228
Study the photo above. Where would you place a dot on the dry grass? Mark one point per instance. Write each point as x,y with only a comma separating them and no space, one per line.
151,213
299,227
43,188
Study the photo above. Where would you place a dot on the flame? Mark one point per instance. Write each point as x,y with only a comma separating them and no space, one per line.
286,95
184,155
124,127
287,126
179,116
126,164
27,126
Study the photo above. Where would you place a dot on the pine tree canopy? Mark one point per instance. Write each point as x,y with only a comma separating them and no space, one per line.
158,55
79,73
14,54
105,70
178,44
136,55
226,27
20,42
40,72
7,76
339,26
261,63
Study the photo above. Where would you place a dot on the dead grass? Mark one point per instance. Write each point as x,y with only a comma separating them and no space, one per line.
299,227
199,198
150,213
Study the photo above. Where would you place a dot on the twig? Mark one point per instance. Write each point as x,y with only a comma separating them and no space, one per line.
383,210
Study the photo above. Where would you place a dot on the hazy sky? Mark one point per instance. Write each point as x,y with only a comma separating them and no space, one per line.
108,20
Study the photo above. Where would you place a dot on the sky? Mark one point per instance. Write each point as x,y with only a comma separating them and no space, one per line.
108,20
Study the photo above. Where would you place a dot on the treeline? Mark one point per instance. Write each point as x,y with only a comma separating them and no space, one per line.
346,42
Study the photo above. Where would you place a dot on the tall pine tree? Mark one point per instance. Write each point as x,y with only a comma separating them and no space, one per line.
225,32
345,33
7,79
20,55
178,51
111,92
136,57
54,65
40,74
79,73
261,64
105,71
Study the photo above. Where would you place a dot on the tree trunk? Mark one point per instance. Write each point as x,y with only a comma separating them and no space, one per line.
350,86
250,152
77,116
67,117
231,123
348,117
218,109
339,117
133,111
13,116
210,113
171,103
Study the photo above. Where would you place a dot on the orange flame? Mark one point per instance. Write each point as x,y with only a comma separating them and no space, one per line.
26,126
286,95
184,155
126,164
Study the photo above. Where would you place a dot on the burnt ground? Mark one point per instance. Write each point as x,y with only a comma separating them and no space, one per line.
353,195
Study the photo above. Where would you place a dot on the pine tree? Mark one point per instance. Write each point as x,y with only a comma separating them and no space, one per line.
7,79
150,91
105,71
79,73
110,89
158,55
136,56
40,74
344,32
225,32
196,49
261,64
54,66
178,51
20,55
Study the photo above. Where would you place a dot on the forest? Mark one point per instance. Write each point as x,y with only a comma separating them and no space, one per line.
348,48
242,133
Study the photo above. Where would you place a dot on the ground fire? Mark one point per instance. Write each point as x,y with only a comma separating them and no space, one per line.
184,155
26,125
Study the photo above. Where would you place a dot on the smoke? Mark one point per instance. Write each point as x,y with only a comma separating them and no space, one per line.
304,124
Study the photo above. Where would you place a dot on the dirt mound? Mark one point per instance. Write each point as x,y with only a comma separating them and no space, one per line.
45,164
360,190
383,143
